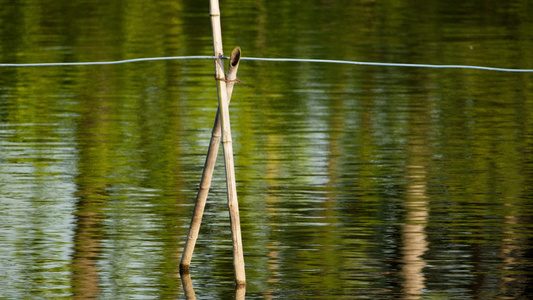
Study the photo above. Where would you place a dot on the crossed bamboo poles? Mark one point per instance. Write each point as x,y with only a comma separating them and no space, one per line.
221,129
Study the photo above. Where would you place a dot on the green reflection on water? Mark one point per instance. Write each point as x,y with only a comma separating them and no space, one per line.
354,182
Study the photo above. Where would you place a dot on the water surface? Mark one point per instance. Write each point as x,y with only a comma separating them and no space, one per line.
354,182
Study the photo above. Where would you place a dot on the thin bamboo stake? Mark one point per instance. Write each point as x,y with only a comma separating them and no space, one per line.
233,205
209,166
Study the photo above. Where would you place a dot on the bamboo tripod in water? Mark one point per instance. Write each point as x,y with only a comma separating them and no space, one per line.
205,183
221,128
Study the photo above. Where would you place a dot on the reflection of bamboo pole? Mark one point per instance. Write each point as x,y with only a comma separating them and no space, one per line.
414,237
510,244
209,166
240,292
186,282
413,233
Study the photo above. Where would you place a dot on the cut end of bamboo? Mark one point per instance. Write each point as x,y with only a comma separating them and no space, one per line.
235,56
231,75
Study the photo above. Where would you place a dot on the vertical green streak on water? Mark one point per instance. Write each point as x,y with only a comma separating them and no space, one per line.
97,159
41,178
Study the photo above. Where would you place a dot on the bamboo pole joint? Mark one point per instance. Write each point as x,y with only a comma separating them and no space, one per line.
236,80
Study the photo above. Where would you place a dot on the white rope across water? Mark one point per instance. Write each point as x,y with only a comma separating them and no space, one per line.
330,61
116,62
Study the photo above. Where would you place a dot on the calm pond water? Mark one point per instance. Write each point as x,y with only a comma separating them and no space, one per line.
354,182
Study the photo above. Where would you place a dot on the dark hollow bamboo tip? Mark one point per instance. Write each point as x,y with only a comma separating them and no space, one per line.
235,56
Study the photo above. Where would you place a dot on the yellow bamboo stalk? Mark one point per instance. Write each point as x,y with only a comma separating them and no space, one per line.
209,166
227,145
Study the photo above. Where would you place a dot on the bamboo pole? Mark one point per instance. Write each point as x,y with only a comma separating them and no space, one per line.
233,205
209,166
